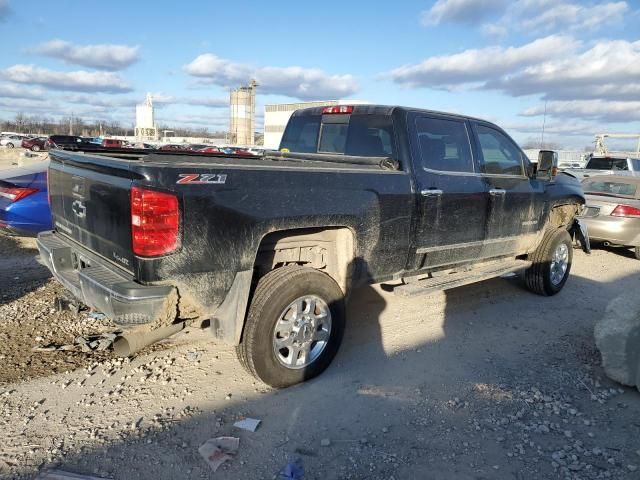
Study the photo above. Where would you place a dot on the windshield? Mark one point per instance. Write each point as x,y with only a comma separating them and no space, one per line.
358,135
615,188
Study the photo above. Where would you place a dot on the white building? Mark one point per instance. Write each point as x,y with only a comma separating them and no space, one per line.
145,120
277,115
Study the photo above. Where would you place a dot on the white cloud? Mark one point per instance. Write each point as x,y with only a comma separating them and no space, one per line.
528,16
303,83
104,102
8,90
572,16
460,11
480,65
494,30
79,81
608,70
210,102
103,57
601,110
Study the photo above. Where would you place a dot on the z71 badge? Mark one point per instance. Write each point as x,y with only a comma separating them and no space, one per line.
202,178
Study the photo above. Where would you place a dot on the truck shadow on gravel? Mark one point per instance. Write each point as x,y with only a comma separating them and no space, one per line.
20,272
489,381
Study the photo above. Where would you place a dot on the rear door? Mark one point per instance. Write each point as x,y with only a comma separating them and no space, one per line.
517,202
452,198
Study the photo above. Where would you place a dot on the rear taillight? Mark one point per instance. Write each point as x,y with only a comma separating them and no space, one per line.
155,222
626,211
338,109
16,193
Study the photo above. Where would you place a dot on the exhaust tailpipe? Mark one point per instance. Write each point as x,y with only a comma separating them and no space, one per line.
128,344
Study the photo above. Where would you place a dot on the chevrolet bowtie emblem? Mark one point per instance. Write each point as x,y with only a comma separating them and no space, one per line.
79,209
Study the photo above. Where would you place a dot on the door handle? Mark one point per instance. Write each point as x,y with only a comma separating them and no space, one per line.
431,192
497,191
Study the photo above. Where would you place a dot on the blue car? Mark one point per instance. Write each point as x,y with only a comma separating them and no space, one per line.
24,205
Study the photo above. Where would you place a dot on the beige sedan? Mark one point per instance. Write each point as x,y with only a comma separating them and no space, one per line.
612,211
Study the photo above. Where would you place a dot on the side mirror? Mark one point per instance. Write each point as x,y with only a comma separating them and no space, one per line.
547,165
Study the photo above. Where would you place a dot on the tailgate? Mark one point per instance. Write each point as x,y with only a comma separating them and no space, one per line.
90,203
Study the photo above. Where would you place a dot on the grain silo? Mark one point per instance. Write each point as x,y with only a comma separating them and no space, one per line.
243,114
145,120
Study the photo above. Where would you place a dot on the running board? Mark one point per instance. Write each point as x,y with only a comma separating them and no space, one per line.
458,279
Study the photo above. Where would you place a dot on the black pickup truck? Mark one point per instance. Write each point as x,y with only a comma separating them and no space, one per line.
266,249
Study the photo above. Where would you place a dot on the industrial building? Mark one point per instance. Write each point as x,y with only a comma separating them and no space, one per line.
145,120
277,115
242,109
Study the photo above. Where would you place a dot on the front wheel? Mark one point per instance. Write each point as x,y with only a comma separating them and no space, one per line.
294,326
9,145
551,263
35,148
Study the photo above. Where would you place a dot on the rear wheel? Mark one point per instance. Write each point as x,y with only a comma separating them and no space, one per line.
551,263
294,326
9,145
637,252
35,148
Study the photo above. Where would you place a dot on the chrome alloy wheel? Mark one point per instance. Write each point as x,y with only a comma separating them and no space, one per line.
559,263
302,332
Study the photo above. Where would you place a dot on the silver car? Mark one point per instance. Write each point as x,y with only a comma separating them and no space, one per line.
612,211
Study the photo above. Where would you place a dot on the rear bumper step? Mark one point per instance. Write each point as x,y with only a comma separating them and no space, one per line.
102,286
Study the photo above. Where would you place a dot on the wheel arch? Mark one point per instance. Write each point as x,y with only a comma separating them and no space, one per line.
331,250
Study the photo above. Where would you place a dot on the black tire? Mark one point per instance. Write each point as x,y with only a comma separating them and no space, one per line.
9,145
274,293
35,148
538,276
637,252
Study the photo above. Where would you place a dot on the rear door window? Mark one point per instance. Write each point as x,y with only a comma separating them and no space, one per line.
444,145
500,155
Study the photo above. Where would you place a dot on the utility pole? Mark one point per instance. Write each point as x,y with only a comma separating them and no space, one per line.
71,124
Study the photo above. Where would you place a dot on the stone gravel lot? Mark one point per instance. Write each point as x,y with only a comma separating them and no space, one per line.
481,382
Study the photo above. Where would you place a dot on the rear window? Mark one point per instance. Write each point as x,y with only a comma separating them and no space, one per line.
608,163
358,135
609,188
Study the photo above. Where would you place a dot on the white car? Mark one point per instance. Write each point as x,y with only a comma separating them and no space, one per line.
12,141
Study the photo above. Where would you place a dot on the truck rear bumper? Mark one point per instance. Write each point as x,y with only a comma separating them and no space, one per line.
104,287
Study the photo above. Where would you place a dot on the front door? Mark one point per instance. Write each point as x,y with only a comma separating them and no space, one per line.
517,201
453,202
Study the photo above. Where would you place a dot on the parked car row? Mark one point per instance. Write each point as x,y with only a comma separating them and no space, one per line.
73,142
202,148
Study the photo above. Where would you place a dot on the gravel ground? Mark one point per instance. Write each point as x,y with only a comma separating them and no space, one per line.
484,381
14,157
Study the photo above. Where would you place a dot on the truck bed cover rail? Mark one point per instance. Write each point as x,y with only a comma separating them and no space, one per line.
386,163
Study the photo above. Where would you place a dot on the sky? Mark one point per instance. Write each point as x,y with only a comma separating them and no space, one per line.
507,61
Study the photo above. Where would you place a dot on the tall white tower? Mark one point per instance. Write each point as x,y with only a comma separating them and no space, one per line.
242,106
145,121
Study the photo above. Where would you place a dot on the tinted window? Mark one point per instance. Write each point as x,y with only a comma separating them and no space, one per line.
370,136
609,188
608,164
333,138
444,145
358,135
301,134
500,154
